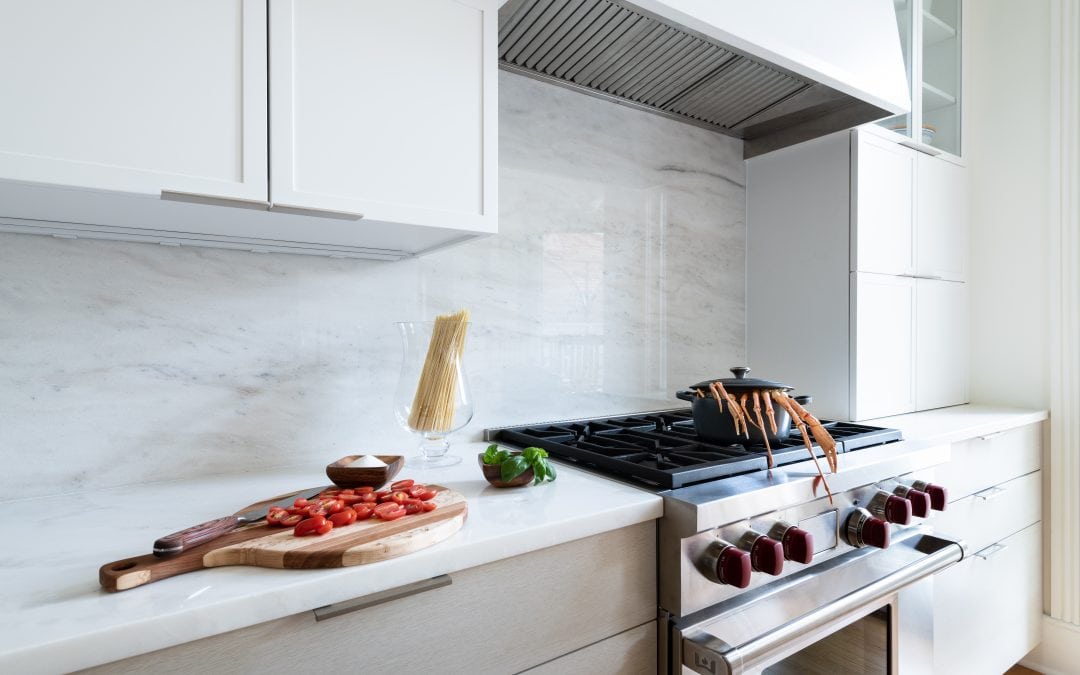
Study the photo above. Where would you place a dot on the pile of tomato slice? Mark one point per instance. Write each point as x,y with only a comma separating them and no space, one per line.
335,507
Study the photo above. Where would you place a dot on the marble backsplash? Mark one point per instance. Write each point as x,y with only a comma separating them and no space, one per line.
617,277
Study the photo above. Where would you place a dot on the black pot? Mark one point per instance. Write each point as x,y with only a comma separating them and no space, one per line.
715,423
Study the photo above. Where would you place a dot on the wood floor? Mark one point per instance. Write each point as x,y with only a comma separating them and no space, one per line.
1020,670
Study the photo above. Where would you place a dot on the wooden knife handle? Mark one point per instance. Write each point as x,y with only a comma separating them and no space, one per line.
131,572
178,542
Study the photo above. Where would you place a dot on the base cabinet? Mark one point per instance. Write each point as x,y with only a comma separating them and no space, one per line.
988,607
586,606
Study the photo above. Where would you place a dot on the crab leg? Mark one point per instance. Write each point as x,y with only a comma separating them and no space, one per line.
720,393
746,411
766,399
761,424
785,402
821,434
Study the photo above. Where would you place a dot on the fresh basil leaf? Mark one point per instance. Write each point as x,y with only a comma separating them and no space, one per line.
513,467
501,456
538,472
550,470
531,455
489,454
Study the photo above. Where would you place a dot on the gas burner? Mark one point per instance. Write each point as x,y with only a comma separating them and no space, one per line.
662,449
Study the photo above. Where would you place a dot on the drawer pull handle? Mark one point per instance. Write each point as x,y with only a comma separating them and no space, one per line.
990,551
986,437
365,601
989,493
214,200
278,207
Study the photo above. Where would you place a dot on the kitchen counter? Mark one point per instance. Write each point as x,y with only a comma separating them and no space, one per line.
56,617
948,425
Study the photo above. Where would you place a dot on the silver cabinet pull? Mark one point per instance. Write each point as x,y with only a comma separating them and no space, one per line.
214,200
365,601
986,437
989,493
990,551
278,207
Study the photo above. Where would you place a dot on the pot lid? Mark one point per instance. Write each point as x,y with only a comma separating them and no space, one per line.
741,382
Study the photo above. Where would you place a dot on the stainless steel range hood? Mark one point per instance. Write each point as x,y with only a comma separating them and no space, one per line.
771,72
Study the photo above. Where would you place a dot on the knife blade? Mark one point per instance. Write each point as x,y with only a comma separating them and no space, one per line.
178,542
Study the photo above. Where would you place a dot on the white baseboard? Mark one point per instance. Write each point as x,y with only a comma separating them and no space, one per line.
1059,651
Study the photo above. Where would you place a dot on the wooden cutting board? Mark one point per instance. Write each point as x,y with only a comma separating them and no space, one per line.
260,545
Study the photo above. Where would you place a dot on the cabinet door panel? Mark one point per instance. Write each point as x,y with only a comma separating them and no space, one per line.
386,109
135,96
988,607
942,219
941,344
884,175
884,347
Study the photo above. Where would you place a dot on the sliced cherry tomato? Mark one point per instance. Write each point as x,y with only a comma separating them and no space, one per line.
413,508
363,511
298,510
416,490
364,489
349,500
400,497
275,515
428,506
325,506
292,520
427,494
343,517
331,492
301,503
313,525
369,498
402,484
346,491
389,511
382,494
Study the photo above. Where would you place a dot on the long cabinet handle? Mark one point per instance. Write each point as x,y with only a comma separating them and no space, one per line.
931,277
214,200
989,493
986,437
365,601
990,551
312,211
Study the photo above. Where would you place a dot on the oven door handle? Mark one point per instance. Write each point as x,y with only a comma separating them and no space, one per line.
705,653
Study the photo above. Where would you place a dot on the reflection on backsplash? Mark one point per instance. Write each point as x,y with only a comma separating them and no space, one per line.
616,278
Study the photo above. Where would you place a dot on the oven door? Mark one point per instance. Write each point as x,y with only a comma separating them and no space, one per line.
870,611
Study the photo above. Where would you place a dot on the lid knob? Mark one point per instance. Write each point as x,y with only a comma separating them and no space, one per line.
739,372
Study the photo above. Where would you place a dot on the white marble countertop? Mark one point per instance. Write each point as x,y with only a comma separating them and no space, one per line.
947,425
56,618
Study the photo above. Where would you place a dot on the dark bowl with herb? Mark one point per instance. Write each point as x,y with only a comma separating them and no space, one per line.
511,468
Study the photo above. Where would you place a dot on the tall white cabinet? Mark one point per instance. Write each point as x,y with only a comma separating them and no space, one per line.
339,127
856,264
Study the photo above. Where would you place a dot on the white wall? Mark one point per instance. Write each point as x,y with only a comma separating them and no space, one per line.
1007,147
617,277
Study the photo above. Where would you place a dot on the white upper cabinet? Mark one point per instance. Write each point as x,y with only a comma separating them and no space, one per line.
884,176
135,96
357,128
377,112
942,219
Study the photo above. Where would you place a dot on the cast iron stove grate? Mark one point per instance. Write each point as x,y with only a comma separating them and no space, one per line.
663,449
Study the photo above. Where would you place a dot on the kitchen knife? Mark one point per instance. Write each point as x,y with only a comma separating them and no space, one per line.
212,529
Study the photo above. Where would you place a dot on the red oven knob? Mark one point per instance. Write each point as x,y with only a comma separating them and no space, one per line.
863,529
766,554
939,495
920,501
798,543
892,508
725,563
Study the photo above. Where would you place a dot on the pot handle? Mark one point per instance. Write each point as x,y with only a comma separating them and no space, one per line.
804,399
686,395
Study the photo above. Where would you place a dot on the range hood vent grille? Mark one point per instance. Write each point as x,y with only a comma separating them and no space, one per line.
620,52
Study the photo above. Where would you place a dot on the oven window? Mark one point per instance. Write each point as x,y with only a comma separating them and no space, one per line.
859,647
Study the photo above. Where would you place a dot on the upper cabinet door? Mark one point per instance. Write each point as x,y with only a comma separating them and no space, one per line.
941,223
386,109
135,96
884,175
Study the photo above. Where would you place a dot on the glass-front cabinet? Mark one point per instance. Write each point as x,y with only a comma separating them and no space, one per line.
930,36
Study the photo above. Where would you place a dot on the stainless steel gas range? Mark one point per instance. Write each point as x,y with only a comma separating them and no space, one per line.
759,569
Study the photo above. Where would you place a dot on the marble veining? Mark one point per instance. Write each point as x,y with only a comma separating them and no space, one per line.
617,277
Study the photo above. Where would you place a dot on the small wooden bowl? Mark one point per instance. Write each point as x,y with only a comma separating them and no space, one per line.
493,474
345,476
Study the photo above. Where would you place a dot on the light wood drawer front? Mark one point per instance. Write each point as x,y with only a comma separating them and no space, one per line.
981,462
988,607
503,617
994,513
629,653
